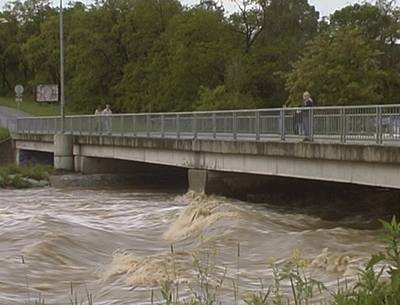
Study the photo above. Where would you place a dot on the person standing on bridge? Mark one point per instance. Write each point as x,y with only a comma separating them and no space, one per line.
107,118
98,113
306,115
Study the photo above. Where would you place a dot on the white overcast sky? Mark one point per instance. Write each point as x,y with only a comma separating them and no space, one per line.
325,7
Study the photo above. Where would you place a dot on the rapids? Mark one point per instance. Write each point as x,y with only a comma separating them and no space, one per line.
121,244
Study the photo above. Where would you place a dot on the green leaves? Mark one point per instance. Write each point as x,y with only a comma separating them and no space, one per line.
151,55
339,68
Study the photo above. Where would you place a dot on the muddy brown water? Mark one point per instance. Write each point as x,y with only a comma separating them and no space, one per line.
117,243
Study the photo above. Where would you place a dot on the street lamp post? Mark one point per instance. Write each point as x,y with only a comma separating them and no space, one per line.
62,100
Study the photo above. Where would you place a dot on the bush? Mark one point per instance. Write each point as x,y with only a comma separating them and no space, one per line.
4,134
15,176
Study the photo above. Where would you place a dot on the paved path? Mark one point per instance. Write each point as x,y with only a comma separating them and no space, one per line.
8,117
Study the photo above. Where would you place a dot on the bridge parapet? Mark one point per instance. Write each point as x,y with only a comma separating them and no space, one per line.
379,124
357,145
303,150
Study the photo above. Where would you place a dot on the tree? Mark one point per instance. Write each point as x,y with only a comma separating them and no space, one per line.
9,54
143,26
284,26
380,25
339,68
191,53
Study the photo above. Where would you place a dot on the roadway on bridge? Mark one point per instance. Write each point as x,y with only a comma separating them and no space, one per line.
8,117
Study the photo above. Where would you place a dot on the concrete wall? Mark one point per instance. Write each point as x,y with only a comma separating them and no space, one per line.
7,153
373,165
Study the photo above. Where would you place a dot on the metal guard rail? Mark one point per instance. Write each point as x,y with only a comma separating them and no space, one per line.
379,124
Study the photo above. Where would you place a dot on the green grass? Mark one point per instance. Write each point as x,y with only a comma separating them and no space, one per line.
31,107
4,134
13,175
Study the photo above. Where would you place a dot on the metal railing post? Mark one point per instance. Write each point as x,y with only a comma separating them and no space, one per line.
257,125
282,124
378,125
234,125
122,125
162,126
311,122
214,125
148,125
195,126
134,125
342,124
178,126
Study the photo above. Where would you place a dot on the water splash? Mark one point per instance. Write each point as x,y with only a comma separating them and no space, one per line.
201,212
151,270
343,263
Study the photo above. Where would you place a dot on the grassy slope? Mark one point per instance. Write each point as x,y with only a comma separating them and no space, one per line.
32,107
4,134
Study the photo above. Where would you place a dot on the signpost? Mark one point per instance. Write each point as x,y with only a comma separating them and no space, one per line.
19,91
47,93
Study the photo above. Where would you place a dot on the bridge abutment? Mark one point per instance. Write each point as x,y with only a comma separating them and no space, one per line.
64,152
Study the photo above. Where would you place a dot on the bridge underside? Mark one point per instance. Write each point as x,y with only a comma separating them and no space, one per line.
377,166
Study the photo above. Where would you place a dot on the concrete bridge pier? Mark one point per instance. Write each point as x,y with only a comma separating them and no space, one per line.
207,182
64,152
198,179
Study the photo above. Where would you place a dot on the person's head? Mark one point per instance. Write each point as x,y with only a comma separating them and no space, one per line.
306,95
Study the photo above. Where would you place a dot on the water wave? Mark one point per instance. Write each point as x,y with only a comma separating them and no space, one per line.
152,270
201,212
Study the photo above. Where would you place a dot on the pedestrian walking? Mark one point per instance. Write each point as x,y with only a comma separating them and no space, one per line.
306,115
98,113
107,118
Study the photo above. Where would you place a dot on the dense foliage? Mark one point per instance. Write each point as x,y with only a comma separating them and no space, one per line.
158,55
4,134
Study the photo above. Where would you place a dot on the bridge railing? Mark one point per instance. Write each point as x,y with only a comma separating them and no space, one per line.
372,124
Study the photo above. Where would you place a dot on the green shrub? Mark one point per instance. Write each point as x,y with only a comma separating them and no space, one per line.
372,288
4,134
14,176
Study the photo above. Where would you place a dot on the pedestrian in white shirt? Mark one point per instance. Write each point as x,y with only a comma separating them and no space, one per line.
107,118
98,113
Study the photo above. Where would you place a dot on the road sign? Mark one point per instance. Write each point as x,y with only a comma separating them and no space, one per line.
19,90
47,93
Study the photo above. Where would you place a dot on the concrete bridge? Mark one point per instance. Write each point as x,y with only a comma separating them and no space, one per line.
356,145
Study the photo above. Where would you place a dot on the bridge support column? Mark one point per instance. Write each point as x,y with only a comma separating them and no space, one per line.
18,157
88,165
64,152
198,180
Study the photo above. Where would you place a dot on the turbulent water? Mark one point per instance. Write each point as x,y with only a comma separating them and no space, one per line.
117,244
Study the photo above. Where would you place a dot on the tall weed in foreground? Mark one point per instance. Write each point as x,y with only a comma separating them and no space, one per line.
302,286
372,288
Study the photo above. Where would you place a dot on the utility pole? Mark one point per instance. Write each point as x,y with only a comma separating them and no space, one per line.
62,99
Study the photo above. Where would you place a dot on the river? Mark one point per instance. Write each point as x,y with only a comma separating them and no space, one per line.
116,244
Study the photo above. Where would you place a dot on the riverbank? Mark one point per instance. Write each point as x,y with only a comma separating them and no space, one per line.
7,153
21,177
4,134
